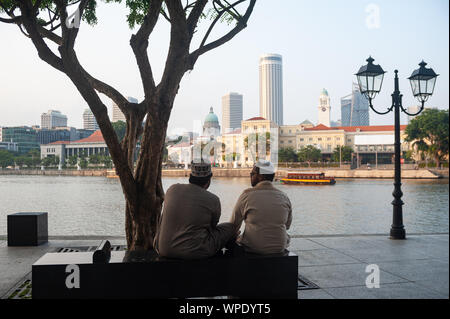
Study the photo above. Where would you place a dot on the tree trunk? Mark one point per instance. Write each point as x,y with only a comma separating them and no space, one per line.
143,214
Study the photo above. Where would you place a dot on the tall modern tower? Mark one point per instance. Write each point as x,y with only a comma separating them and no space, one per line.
271,88
355,108
53,119
117,114
89,121
231,111
324,108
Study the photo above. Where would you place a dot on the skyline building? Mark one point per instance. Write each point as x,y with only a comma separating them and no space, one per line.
211,126
117,114
232,111
89,121
355,108
324,108
24,136
53,119
271,87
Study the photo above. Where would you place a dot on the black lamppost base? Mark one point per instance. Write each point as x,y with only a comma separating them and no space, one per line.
398,233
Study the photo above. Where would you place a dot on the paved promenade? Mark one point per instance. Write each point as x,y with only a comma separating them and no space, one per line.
416,268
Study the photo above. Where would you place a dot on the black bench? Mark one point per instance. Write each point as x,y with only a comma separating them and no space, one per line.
27,229
144,274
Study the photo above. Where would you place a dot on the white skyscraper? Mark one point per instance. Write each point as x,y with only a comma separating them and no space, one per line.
53,119
117,114
324,108
271,88
232,110
89,121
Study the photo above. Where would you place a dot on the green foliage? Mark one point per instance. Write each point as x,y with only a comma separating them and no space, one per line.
342,153
429,133
309,153
120,128
48,161
83,163
137,10
95,159
287,155
6,159
72,160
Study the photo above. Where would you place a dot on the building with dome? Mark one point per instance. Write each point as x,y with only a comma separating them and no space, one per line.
211,126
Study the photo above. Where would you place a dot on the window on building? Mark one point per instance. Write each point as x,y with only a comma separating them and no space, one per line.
328,138
349,140
310,139
290,142
302,139
319,139
290,131
338,138
282,142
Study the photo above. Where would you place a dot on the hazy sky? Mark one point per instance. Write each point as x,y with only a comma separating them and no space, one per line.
323,43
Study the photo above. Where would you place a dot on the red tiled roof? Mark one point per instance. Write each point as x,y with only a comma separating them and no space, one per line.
257,119
95,137
59,142
372,128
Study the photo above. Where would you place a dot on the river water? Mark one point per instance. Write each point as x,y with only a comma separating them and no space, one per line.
95,205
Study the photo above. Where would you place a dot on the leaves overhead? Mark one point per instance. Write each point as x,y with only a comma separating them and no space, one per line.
137,10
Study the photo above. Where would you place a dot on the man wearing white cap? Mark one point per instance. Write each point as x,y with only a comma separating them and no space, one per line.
189,226
266,212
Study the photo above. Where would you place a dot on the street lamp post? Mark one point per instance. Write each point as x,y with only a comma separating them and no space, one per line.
370,79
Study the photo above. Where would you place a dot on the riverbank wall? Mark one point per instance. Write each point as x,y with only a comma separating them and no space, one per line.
245,172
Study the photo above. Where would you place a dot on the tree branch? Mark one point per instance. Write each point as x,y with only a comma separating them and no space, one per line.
178,48
139,44
194,15
241,24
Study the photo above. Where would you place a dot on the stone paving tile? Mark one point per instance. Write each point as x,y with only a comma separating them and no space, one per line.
323,257
332,276
387,291
314,294
348,242
303,244
439,285
430,273
384,253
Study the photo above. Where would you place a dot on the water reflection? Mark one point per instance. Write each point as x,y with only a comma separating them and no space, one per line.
95,205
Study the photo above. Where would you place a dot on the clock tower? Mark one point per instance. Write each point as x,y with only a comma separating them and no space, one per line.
324,108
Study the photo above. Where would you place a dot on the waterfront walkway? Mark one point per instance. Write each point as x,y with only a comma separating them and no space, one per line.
416,268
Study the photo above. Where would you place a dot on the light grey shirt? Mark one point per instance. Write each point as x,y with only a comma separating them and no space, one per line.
267,214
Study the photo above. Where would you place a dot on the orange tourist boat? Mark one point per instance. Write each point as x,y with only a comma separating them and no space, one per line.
307,179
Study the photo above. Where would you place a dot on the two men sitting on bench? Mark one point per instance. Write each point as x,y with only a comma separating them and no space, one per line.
189,226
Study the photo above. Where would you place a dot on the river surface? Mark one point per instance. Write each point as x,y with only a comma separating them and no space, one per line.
95,205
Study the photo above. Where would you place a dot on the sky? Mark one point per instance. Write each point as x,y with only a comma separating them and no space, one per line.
323,44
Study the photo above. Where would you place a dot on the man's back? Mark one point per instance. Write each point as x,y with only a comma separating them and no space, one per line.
189,214
267,214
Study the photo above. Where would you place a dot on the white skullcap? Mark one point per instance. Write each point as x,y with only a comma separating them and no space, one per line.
265,167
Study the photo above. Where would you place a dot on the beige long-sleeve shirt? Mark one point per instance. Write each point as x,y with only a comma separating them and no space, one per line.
189,224
267,214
